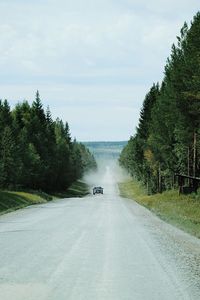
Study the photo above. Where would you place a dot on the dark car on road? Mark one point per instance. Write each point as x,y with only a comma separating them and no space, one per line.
97,190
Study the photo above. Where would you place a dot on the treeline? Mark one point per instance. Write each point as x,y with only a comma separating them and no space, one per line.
37,152
167,137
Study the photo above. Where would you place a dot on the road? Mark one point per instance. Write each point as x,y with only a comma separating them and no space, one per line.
96,248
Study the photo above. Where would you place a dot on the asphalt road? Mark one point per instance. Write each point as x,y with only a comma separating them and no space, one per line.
99,247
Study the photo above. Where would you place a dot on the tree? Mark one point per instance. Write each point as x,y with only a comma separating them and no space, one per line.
167,137
7,158
37,152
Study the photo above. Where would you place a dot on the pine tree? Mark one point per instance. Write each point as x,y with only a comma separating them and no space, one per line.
7,158
36,152
167,140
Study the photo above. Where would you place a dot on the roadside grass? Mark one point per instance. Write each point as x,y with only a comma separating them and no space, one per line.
10,201
182,211
13,200
77,189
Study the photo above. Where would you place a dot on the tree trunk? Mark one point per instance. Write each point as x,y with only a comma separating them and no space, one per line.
194,154
188,165
159,179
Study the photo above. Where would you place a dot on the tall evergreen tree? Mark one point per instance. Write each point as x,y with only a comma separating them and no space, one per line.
7,158
37,152
167,140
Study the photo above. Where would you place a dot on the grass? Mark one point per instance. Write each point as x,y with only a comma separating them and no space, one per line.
13,200
10,201
182,211
77,189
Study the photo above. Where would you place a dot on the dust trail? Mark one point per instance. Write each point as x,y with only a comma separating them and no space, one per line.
108,174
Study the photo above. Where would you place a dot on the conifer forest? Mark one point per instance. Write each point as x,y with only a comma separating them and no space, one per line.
167,139
37,152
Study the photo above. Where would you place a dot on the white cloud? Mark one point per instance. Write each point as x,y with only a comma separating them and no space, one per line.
83,50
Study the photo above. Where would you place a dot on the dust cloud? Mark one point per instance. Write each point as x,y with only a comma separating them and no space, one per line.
108,174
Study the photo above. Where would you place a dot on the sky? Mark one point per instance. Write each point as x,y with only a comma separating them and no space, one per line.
93,61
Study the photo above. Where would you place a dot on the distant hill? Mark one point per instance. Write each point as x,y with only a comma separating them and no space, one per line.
106,150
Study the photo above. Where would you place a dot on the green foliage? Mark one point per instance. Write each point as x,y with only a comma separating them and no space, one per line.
167,138
7,154
37,152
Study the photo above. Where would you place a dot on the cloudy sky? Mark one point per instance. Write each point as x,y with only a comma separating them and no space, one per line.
93,61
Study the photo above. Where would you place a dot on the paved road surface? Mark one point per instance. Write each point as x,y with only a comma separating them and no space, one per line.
96,248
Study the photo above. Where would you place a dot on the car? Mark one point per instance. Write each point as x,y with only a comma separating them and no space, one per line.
97,190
